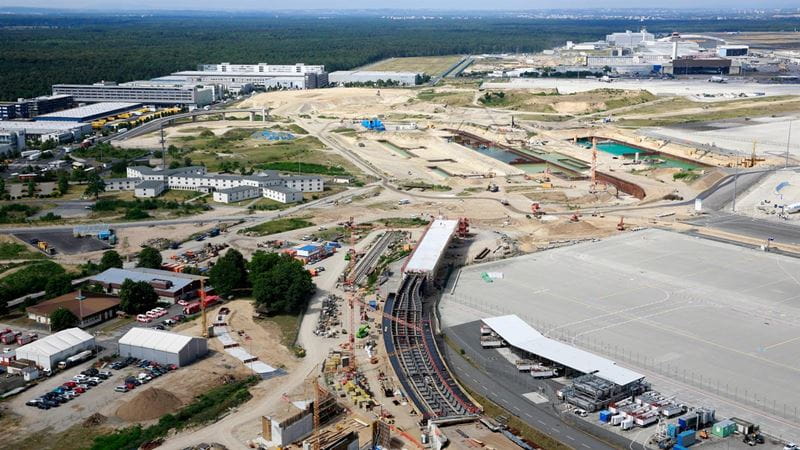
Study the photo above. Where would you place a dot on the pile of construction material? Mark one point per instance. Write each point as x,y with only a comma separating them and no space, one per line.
208,251
328,321
157,243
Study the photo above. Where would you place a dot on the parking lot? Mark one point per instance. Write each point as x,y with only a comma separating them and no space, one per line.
64,242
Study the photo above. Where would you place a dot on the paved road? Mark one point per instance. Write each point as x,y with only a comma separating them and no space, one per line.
498,381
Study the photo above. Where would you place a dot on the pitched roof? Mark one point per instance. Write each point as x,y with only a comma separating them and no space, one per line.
155,339
57,342
90,305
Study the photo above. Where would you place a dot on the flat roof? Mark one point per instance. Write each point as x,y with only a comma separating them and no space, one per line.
96,109
156,339
519,334
431,246
46,125
150,184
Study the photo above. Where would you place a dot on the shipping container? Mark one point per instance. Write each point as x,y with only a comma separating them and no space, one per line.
605,416
723,428
616,420
672,430
627,424
686,438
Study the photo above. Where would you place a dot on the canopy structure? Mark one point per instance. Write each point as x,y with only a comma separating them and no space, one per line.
520,335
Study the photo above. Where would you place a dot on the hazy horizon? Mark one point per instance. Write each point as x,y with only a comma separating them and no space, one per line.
421,5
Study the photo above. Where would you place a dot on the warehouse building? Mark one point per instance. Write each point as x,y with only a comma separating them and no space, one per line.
59,131
297,76
170,286
345,77
90,309
32,107
129,92
89,113
162,347
49,351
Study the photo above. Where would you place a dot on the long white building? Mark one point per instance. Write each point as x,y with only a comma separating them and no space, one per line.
150,182
297,76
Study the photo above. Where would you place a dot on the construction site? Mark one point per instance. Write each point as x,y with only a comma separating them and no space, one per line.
497,263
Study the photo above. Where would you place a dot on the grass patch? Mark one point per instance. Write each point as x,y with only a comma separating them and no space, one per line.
288,325
176,195
105,152
345,131
720,114
15,250
686,175
421,185
76,437
205,408
266,204
277,226
304,167
448,98
403,222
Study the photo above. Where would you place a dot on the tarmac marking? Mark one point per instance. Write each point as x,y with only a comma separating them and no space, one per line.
541,422
570,438
528,415
555,430
586,446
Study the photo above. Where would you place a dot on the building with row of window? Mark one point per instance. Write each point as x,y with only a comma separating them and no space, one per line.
269,76
33,107
148,182
161,94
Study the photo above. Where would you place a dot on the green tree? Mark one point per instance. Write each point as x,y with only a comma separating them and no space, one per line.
229,273
137,296
58,285
149,258
110,259
262,262
31,188
187,161
63,183
286,288
95,185
61,319
2,187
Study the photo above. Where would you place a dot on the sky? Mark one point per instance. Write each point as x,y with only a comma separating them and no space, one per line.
268,5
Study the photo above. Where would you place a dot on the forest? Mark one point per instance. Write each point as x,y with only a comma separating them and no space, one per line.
41,50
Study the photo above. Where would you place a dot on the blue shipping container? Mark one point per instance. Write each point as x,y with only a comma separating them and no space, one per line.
682,423
678,447
672,430
605,416
686,438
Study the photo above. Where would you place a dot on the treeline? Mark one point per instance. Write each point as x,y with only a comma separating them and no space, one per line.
85,48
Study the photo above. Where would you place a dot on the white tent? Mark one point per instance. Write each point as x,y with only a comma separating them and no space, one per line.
49,351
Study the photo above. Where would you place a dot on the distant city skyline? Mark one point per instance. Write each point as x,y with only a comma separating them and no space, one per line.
452,5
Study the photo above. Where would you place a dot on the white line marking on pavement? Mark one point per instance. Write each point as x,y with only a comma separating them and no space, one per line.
541,422
554,430
586,446
570,438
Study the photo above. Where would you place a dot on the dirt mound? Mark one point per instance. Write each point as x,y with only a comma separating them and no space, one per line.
149,404
94,420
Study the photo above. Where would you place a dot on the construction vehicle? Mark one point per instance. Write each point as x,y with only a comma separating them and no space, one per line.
536,209
575,218
621,224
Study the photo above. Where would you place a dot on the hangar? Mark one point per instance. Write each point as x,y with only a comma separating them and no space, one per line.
162,347
57,347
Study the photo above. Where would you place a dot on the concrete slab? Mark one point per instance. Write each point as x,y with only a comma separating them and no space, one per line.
701,318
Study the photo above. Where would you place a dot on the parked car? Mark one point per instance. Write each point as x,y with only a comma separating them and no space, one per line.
143,318
32,402
183,302
121,388
79,390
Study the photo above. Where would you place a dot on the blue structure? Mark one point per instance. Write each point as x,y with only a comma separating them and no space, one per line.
373,124
275,135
